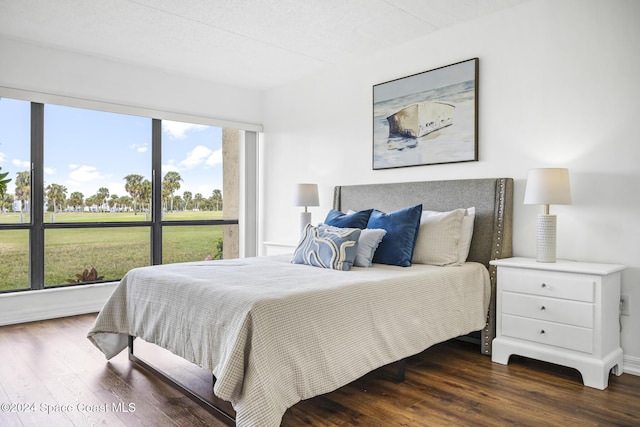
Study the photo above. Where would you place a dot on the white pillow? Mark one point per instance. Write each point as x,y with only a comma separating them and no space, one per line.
368,242
439,237
466,233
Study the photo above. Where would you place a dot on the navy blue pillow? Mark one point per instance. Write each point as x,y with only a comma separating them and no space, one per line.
396,248
353,220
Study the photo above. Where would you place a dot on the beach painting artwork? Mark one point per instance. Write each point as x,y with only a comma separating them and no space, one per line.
427,118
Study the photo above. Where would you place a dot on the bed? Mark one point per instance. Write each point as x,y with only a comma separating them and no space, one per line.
274,333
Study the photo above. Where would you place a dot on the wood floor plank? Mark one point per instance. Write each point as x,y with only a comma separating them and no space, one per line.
8,415
52,362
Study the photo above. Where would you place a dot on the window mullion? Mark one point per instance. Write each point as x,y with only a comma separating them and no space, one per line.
156,192
36,205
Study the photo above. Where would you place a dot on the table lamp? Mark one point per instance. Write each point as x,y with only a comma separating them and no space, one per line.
547,186
306,195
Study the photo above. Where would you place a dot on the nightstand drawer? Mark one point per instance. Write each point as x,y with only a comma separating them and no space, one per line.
549,284
556,334
569,312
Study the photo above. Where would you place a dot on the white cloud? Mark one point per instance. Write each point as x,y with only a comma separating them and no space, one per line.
140,148
169,167
2,157
85,173
116,188
197,156
178,130
215,158
49,171
21,163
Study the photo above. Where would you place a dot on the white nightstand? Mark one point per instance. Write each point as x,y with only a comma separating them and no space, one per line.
565,313
278,248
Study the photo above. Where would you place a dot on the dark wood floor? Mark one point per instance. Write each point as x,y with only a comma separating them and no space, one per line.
51,366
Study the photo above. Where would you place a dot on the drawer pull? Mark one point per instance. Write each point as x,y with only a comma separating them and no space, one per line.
541,331
543,308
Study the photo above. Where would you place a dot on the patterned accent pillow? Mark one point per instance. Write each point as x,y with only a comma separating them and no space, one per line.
327,247
349,220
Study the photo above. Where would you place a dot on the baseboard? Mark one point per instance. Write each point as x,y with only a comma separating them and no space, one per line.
631,365
31,306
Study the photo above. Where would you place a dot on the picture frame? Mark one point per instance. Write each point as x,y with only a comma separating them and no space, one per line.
427,118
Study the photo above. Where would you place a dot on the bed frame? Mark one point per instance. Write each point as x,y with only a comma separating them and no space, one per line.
492,236
492,232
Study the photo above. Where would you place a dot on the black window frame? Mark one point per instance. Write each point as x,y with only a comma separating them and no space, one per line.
37,226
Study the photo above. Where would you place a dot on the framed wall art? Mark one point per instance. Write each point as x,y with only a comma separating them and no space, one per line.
427,118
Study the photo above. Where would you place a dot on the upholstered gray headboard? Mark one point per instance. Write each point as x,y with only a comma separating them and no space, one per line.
492,234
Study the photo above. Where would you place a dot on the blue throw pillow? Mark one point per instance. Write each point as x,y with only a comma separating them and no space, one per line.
327,247
367,245
396,248
353,220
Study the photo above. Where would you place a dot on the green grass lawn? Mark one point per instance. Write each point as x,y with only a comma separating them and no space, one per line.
112,251
17,218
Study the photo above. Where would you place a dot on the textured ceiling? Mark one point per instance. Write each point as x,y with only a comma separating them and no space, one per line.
256,44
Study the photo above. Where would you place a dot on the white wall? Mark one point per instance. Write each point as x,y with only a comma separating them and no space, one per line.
558,87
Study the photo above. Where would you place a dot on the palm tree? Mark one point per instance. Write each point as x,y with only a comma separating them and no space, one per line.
76,200
145,194
198,198
134,188
187,196
57,194
93,200
23,189
6,201
171,182
3,183
102,194
113,201
177,200
216,199
124,202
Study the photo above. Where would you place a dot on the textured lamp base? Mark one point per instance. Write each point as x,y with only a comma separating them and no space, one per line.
305,218
546,238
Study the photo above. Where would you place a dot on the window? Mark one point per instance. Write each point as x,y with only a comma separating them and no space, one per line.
191,171
97,166
89,255
14,253
15,162
93,194
199,183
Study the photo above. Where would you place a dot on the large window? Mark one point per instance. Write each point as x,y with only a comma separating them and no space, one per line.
191,171
97,166
199,183
89,255
15,160
93,194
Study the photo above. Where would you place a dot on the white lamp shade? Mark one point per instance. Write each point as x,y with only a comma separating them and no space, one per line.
548,186
306,195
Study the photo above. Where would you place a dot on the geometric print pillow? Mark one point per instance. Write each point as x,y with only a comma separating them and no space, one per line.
327,247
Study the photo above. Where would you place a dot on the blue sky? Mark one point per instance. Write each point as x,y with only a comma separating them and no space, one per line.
86,149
